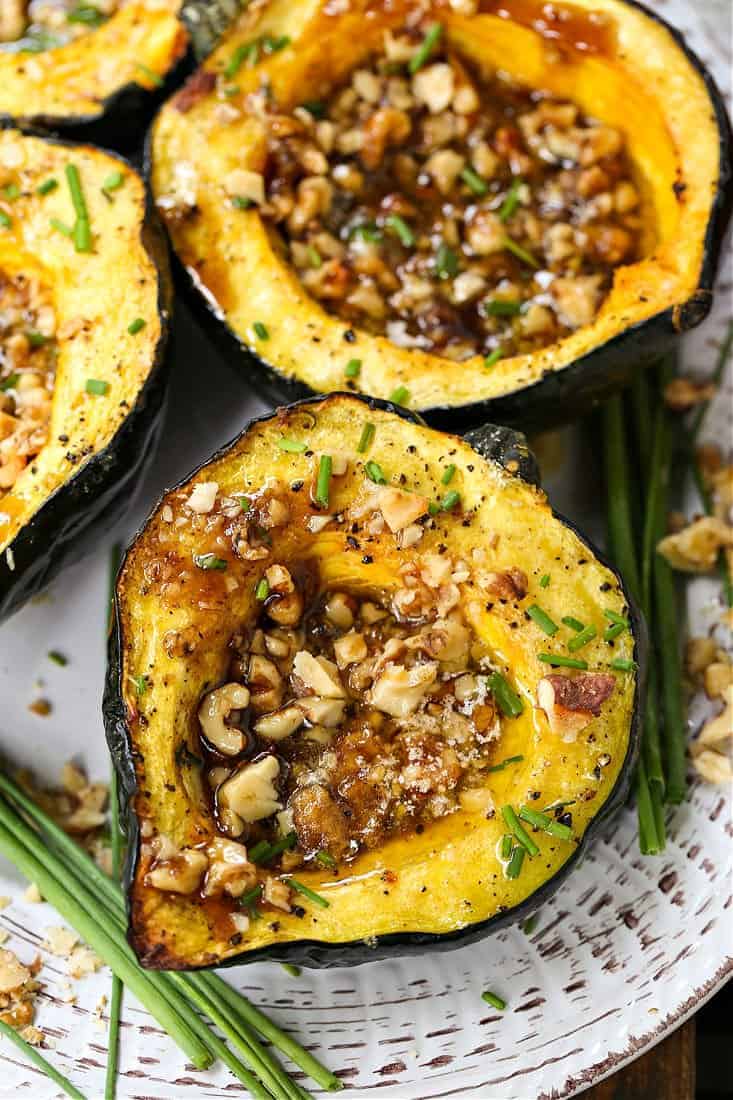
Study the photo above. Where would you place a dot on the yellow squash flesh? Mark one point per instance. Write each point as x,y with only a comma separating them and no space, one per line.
448,878
646,87
71,82
95,295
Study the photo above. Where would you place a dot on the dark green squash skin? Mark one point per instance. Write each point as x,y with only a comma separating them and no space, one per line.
560,396
104,485
498,444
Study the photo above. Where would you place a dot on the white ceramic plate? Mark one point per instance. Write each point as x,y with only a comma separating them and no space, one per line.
626,951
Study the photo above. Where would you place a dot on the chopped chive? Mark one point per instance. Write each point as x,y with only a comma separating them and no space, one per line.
47,186
621,664
448,474
558,661
521,253
615,617
323,480
502,307
292,446
258,852
135,326
400,395
353,368
450,500
574,624
493,357
260,331
11,192
82,236
61,227
520,833
230,90
36,339
506,697
514,866
366,437
542,619
613,631
530,924
446,262
433,508
308,893
545,823
274,45
58,658
401,229
582,638
293,971
152,76
545,582
507,844
77,195
315,107
241,202
209,562
327,860
113,181
262,591
505,763
278,847
5,220
251,897
494,1000
367,231
244,51
10,382
474,182
425,49
96,387
511,201
86,14
314,256
141,684
375,473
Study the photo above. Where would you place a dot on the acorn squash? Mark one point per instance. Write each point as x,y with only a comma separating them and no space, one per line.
465,680
75,70
86,297
233,157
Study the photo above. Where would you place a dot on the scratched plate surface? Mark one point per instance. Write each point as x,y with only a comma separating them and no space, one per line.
626,951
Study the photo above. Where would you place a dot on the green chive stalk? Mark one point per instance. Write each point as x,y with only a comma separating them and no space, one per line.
91,929
94,880
39,1061
623,550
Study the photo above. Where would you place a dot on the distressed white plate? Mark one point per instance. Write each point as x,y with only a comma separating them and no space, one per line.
627,950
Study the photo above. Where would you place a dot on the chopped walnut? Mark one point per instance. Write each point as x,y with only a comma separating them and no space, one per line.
571,702
695,549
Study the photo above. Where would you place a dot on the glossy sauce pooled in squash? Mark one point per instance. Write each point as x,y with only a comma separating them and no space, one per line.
454,213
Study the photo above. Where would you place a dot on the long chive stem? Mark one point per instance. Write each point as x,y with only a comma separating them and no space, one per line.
621,540
39,1061
115,1004
91,929
92,875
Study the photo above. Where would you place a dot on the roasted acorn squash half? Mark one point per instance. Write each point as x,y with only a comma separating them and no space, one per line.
92,73
85,296
308,252
347,651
